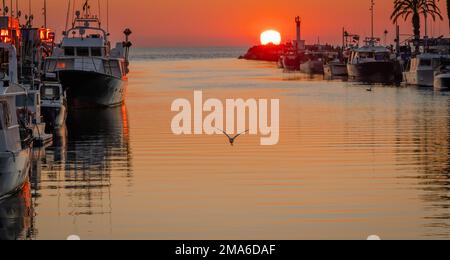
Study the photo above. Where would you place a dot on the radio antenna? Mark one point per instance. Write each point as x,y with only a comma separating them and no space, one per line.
99,13
67,17
107,15
372,10
45,13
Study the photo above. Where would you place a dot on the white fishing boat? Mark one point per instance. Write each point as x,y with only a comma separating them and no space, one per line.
442,81
335,68
373,63
15,139
442,76
421,69
312,66
30,104
91,72
335,65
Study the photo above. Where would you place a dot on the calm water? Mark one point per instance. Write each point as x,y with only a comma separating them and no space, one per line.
350,163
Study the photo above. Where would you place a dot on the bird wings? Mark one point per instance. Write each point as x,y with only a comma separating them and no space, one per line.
236,136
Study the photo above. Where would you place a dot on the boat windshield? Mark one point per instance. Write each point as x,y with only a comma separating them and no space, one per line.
50,93
69,51
381,56
84,51
366,55
378,56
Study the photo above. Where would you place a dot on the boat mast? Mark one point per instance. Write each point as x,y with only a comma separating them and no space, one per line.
67,18
372,10
86,9
45,13
107,16
99,14
73,13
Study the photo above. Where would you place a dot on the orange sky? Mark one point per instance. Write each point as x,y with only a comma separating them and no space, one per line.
234,23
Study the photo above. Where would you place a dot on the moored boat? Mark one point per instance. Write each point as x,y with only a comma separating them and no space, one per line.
291,61
373,64
312,66
53,104
335,68
420,69
29,104
442,76
15,138
90,71
442,81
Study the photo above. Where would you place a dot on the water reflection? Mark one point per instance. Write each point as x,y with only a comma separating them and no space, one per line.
350,163
431,155
84,156
98,141
76,170
17,216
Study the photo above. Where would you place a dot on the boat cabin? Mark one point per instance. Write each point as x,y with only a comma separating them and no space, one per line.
90,46
37,44
426,61
85,47
86,38
8,65
10,139
10,30
370,54
30,103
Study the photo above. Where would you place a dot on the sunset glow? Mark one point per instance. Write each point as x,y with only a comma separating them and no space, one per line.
172,23
270,36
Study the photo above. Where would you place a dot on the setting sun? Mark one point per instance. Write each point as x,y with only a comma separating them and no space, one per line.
270,36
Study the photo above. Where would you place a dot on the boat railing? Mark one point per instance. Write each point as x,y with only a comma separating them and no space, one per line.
82,31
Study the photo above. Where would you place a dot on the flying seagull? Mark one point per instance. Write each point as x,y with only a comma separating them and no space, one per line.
232,139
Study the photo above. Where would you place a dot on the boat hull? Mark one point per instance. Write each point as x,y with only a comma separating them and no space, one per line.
312,67
91,89
375,72
424,78
14,170
442,82
335,70
291,63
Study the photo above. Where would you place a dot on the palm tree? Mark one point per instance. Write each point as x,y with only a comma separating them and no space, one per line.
448,11
414,9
